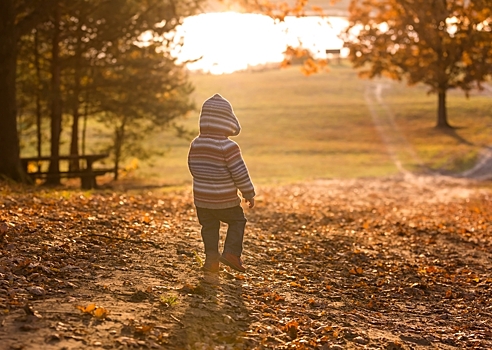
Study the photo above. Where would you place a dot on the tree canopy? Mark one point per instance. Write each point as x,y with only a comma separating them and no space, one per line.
85,58
443,44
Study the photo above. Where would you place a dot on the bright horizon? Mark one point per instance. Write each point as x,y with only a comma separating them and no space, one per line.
231,41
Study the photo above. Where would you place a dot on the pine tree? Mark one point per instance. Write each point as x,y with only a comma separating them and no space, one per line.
89,45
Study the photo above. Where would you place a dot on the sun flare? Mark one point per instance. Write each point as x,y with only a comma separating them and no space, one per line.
230,41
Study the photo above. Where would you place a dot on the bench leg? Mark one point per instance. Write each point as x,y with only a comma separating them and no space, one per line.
88,182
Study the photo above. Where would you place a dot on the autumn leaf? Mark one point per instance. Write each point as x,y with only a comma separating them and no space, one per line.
428,270
356,271
92,309
146,218
86,309
100,312
380,282
144,329
291,329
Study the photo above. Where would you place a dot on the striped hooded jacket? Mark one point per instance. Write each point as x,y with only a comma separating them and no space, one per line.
215,161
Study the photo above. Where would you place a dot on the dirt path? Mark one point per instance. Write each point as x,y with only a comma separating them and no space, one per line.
369,263
398,147
483,168
383,118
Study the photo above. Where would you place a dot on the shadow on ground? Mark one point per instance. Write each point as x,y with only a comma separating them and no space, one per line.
216,314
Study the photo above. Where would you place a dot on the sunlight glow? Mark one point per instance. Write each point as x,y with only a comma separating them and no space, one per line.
230,41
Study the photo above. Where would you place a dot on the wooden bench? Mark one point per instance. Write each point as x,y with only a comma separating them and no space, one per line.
85,171
335,53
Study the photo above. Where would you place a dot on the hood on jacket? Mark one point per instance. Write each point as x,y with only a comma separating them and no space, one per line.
218,118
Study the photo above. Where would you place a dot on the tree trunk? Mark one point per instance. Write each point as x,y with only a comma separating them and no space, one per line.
10,165
86,112
38,93
74,143
56,110
442,116
84,124
118,147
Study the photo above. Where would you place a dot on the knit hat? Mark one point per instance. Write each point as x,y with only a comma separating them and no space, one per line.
218,118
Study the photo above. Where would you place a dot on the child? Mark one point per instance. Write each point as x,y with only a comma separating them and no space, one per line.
219,171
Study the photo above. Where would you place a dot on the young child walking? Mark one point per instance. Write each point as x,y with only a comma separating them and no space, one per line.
219,171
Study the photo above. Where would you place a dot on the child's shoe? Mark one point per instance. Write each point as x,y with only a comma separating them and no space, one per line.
232,261
211,266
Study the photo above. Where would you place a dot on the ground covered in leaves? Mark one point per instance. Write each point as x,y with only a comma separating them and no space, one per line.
395,263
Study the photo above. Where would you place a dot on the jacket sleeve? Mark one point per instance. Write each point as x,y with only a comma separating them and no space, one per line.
239,171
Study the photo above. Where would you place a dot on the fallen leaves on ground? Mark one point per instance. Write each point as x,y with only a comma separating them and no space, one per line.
396,263
92,309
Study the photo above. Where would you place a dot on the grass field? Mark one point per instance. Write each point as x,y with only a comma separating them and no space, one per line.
300,128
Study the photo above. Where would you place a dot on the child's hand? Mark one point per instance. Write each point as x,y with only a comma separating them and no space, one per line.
251,202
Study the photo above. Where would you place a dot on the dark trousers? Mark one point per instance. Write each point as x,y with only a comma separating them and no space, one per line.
210,220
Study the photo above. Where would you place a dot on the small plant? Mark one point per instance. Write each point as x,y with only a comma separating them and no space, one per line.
198,259
168,300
